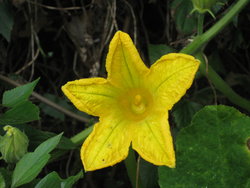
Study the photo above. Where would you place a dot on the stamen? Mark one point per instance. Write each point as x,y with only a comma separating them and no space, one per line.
138,100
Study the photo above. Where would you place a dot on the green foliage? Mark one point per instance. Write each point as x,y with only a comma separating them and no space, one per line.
148,174
156,51
19,94
32,163
183,112
54,180
2,181
37,136
212,151
5,177
22,113
51,111
21,110
185,22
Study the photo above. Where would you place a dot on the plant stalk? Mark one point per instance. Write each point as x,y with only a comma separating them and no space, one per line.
221,85
131,166
200,24
201,40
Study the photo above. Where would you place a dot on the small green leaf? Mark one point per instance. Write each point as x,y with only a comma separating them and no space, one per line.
48,145
212,151
156,51
54,180
72,179
51,180
6,20
32,163
22,113
19,94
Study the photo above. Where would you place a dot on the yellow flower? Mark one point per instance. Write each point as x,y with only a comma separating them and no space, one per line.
132,104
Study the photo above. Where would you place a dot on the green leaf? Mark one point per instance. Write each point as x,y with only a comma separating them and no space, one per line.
183,112
51,180
22,113
72,179
48,145
54,180
212,151
32,163
185,22
31,184
28,168
19,94
6,20
156,51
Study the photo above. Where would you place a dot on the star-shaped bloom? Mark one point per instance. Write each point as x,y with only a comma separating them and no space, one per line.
132,105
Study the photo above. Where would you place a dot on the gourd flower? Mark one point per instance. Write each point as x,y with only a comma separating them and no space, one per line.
132,105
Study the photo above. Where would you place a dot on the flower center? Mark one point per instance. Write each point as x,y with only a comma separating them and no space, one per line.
135,103
138,106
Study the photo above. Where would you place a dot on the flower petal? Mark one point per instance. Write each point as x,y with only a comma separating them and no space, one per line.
91,95
171,76
124,64
107,145
153,141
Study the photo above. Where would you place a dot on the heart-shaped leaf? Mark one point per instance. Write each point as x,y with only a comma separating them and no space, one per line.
212,152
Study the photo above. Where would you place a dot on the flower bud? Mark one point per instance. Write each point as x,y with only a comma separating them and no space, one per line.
13,145
203,6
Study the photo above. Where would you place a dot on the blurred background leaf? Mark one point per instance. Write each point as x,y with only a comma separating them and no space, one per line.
6,20
158,50
54,180
183,112
185,22
51,111
148,174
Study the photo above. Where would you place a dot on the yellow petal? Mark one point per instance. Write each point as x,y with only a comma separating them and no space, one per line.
107,145
153,141
170,77
91,95
123,63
